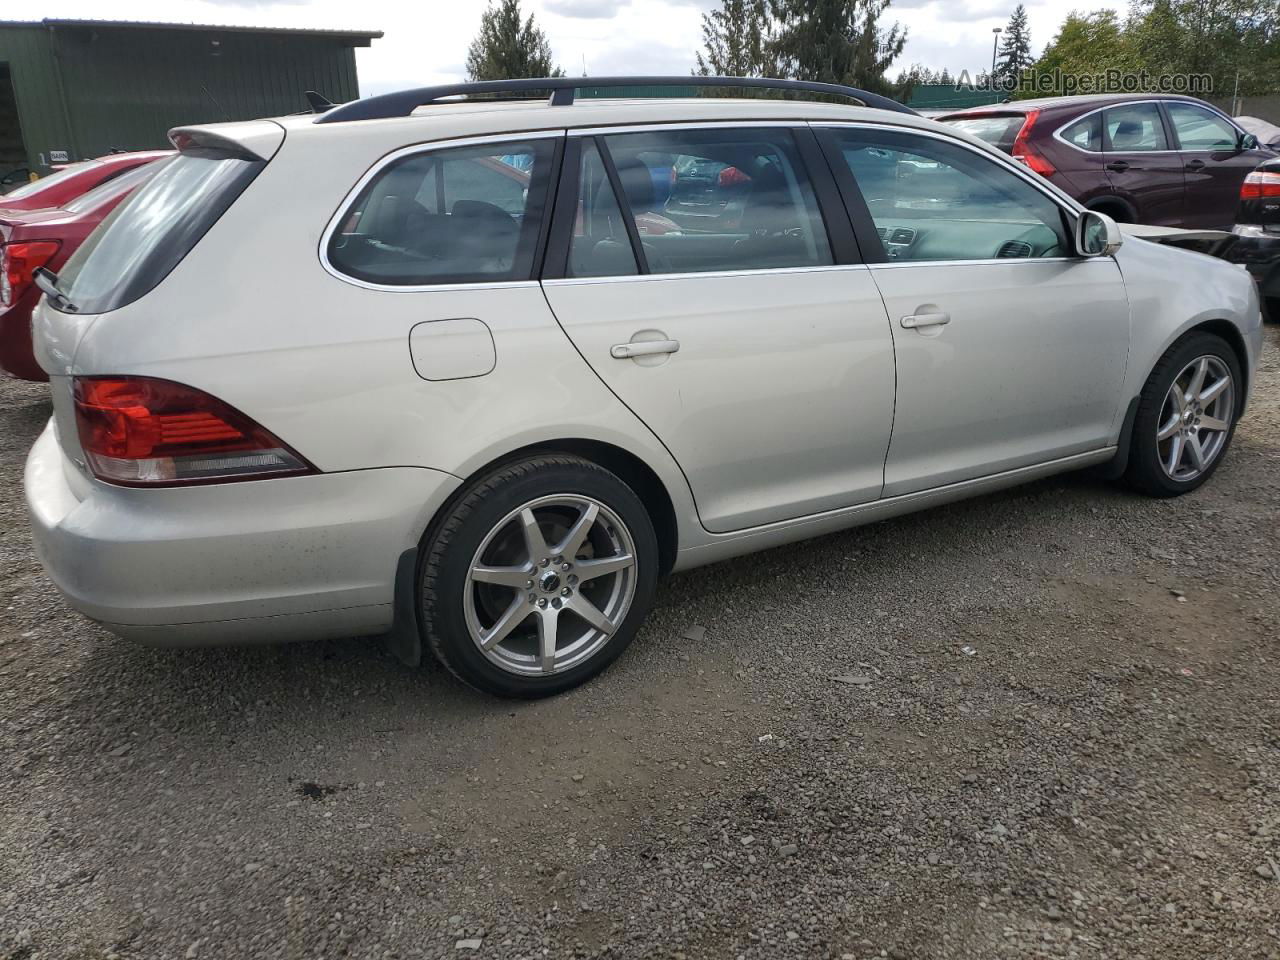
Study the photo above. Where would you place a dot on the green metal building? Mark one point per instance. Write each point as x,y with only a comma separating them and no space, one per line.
71,89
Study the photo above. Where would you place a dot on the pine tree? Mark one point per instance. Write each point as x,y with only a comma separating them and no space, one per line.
837,41
737,40
507,48
1015,49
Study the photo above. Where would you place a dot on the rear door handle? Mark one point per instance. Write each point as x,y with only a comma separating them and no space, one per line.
1119,166
1195,164
643,348
917,320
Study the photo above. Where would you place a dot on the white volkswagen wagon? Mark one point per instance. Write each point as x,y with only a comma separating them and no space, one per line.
475,373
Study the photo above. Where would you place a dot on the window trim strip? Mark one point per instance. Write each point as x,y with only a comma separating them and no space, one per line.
624,205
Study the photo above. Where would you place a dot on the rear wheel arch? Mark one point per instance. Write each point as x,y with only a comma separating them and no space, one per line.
629,468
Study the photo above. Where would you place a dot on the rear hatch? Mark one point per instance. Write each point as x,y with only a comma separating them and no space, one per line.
141,241
1260,198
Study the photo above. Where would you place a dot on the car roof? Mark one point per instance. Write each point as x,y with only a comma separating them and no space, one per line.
1083,101
442,121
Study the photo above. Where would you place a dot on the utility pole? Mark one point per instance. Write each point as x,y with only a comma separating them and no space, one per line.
995,40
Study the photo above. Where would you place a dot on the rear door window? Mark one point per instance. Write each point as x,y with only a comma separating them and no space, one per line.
149,233
1134,128
458,215
724,199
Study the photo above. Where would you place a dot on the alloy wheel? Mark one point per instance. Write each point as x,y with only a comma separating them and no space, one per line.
1195,419
550,584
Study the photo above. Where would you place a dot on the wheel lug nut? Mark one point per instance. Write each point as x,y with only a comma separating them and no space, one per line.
528,584
565,592
558,560
543,562
566,566
533,598
556,603
542,602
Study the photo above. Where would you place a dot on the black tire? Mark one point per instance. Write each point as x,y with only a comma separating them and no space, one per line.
449,548
1145,472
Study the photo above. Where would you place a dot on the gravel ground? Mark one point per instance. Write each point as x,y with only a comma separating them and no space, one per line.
1057,735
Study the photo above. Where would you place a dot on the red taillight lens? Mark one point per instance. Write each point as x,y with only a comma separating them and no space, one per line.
1259,184
1023,152
18,261
140,431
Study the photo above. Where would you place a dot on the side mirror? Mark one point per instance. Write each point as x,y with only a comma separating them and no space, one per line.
1097,235
1248,141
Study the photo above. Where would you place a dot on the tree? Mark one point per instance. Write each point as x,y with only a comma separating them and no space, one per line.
1086,44
836,41
1015,49
737,40
1154,38
507,48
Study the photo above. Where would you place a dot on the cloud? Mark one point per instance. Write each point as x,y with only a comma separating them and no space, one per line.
586,9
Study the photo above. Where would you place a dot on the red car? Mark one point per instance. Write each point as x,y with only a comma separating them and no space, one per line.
59,188
47,238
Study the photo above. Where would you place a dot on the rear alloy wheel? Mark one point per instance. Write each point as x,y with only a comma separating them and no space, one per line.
539,577
1186,417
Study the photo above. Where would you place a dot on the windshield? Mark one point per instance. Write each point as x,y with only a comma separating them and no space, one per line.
149,233
44,183
113,188
999,130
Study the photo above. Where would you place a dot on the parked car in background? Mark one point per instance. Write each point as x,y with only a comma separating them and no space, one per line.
1169,160
30,239
1257,233
71,181
326,393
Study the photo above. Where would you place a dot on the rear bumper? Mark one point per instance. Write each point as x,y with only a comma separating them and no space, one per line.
259,561
17,358
1258,251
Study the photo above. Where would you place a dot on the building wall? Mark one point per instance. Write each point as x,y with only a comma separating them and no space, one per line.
35,81
88,90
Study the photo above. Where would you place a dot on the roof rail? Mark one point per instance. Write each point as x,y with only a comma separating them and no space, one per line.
404,102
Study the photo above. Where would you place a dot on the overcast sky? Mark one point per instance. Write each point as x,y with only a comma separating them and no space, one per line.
426,40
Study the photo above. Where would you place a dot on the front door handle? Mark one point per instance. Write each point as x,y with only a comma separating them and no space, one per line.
917,320
1119,166
643,348
1195,164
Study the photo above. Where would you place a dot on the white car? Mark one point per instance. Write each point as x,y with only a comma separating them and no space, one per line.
409,366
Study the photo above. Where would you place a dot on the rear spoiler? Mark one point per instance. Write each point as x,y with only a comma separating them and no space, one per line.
251,140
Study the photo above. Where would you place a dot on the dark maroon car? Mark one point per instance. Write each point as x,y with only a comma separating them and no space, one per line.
1168,160
30,239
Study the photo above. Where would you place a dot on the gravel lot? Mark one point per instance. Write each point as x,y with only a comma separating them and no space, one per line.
1058,735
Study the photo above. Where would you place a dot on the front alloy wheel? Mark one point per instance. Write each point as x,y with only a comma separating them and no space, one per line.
1186,416
1196,418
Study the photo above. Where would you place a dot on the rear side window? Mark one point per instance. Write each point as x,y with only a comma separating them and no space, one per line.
149,233
1000,131
1134,128
1085,133
458,215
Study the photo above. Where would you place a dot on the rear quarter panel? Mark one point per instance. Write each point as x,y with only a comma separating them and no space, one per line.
252,316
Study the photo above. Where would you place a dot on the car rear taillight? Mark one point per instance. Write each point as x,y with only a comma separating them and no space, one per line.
140,431
1259,184
18,261
1024,152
